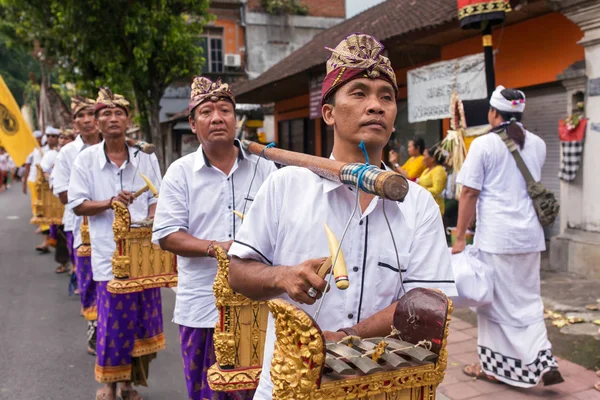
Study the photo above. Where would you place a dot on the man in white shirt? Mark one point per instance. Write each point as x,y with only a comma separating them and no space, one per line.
49,157
194,214
282,240
4,169
84,122
57,234
29,178
129,325
512,339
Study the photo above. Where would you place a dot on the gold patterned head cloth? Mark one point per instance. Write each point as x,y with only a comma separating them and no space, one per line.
106,98
204,89
357,56
67,132
79,103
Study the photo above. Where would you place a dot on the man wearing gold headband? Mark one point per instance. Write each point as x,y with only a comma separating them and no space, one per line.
130,326
282,242
82,110
194,214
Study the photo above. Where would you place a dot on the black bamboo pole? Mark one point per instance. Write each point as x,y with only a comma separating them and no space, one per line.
488,52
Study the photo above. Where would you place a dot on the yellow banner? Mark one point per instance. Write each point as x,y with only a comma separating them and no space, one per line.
15,135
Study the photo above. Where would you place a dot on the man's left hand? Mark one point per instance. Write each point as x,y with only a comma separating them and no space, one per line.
459,246
334,336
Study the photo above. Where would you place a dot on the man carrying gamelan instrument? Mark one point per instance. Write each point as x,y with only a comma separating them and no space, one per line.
57,234
195,213
280,246
85,124
130,326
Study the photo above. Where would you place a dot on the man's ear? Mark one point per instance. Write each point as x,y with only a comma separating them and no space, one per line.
192,122
328,117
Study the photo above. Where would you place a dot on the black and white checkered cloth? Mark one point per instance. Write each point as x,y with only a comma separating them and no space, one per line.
570,160
513,369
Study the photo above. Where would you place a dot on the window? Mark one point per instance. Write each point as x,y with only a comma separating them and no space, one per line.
216,55
297,135
213,52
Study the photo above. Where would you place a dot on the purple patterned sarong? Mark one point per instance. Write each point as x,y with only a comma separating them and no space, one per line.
53,232
198,352
69,236
129,325
87,287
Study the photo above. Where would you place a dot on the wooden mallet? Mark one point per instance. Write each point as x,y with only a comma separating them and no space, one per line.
149,186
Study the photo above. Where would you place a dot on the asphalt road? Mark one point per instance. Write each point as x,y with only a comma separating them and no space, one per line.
42,337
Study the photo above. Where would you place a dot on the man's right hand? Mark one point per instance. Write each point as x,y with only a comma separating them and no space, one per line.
125,197
224,245
296,281
25,186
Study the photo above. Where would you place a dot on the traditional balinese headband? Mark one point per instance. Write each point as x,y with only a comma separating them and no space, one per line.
79,103
51,131
500,103
204,89
106,98
357,56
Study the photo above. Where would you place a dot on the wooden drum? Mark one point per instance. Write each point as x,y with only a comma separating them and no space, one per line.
138,264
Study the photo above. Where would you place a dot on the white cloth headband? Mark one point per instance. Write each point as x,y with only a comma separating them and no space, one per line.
50,130
502,104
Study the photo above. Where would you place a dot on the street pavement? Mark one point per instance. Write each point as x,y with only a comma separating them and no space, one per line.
462,350
42,337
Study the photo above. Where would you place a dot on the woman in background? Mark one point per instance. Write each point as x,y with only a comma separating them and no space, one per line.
413,167
434,177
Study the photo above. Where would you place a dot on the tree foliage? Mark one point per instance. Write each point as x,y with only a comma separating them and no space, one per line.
15,66
139,46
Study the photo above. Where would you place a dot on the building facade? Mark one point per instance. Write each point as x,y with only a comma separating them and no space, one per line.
245,40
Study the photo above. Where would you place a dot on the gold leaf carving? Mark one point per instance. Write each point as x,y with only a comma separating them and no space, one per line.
298,361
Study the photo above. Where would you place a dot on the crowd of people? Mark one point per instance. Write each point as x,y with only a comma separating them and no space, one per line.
427,167
275,251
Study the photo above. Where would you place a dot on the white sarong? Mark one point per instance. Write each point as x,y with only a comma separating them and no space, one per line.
512,340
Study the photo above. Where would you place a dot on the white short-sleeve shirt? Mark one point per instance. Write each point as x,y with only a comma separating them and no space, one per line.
34,159
506,220
61,175
285,227
47,164
4,162
48,160
95,177
198,198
